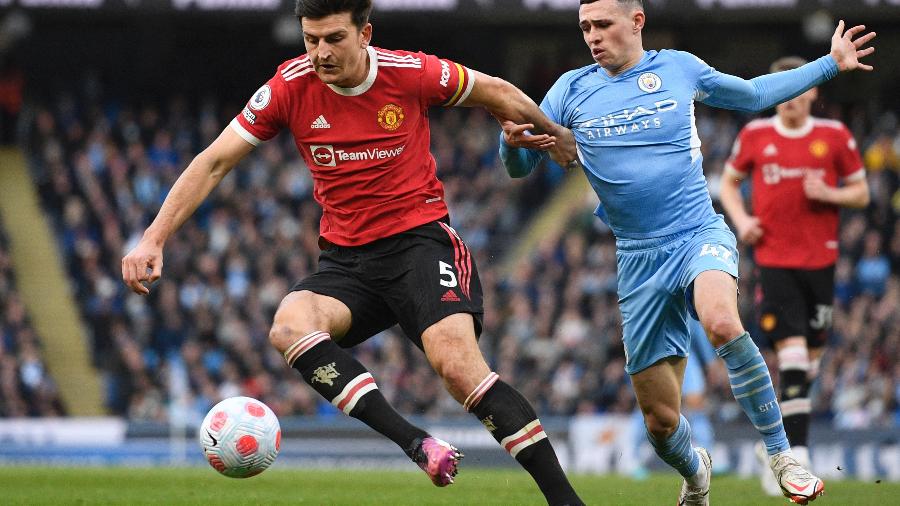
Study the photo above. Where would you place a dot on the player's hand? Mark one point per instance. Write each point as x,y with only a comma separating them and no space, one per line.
749,230
142,264
846,51
565,152
816,189
520,136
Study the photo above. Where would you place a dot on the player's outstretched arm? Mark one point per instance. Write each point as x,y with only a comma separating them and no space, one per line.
764,92
144,262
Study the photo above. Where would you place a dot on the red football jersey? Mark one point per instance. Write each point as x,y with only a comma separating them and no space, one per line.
798,233
367,147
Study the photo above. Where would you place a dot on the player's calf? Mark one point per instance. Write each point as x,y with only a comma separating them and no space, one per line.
349,386
511,420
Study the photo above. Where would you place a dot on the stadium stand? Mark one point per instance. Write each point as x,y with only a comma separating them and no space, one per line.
26,386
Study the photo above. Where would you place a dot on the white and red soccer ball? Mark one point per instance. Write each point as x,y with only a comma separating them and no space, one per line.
240,437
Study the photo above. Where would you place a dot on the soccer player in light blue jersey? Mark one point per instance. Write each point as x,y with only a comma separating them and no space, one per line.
632,115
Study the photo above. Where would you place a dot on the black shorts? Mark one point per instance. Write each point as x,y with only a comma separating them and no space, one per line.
414,278
796,302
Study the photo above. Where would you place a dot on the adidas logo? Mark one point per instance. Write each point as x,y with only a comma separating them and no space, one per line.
770,150
320,122
450,297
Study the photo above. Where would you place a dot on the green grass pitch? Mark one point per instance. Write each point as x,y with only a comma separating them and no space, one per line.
130,486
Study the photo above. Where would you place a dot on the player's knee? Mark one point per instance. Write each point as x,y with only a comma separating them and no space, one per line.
661,423
297,316
722,328
283,335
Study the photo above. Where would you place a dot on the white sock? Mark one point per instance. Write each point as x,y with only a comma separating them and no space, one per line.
699,478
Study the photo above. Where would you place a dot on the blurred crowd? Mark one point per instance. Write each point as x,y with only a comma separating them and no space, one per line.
552,326
26,388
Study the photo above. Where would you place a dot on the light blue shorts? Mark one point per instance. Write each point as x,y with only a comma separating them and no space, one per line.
655,278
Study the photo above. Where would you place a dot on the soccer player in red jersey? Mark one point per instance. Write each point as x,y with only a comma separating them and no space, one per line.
803,170
358,115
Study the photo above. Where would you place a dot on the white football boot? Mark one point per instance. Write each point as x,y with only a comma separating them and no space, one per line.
797,484
699,496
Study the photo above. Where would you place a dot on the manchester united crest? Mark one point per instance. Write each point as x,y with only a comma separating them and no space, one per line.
818,148
390,117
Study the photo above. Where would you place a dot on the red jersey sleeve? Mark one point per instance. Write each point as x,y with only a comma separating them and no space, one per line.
740,163
444,82
265,113
847,158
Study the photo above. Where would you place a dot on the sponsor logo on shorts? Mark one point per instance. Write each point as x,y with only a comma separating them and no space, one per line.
450,296
325,374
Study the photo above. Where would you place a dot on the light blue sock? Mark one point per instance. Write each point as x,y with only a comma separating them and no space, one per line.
676,450
701,428
752,388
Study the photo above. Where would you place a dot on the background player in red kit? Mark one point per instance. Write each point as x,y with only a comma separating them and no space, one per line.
803,170
358,115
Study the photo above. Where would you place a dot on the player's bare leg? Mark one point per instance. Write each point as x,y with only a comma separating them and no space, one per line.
715,298
452,349
658,392
302,330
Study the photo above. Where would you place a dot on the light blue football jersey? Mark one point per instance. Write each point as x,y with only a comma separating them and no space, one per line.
637,138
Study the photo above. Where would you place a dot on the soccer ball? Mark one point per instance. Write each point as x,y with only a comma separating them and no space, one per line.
240,437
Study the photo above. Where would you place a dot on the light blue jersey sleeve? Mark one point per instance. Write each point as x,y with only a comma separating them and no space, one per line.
726,91
519,162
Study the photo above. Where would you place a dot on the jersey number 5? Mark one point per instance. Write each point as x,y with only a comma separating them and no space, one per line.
446,269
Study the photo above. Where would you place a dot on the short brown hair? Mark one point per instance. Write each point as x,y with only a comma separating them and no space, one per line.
787,63
636,4
317,9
